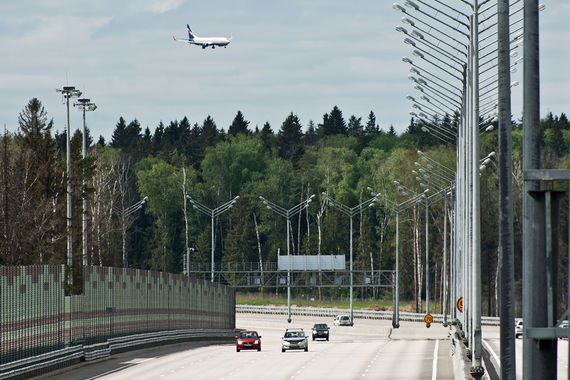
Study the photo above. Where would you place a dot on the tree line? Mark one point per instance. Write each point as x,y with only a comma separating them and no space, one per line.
342,157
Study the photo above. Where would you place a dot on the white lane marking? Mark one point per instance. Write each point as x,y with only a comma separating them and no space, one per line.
434,370
493,353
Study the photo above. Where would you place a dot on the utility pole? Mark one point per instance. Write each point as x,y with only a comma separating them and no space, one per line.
506,240
69,92
84,105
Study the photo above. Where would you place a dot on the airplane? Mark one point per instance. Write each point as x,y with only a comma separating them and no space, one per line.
204,41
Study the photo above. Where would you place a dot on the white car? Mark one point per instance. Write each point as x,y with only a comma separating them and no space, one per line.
294,339
342,320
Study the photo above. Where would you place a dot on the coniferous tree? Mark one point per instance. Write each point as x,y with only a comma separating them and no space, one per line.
157,137
289,138
370,128
239,125
120,138
267,137
310,137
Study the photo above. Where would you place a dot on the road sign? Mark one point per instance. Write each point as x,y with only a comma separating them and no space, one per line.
460,304
428,319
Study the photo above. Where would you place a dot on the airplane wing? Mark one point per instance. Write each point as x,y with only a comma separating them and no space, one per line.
181,39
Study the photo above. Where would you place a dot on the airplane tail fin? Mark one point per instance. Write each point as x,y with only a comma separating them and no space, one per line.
191,34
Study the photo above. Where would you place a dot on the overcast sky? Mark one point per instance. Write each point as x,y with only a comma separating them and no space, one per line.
303,56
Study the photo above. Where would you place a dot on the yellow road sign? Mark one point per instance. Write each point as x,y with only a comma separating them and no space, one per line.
460,304
428,319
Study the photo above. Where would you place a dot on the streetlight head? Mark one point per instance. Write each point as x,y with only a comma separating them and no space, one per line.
237,197
420,152
489,128
514,54
410,97
423,115
406,20
400,29
424,98
417,34
412,113
482,167
83,100
398,7
425,129
409,42
418,54
515,83
312,196
422,82
411,4
416,107
68,88
419,88
541,7
413,70
269,207
417,163
260,197
407,60
426,191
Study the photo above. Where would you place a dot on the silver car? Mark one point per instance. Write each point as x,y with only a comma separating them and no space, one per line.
294,339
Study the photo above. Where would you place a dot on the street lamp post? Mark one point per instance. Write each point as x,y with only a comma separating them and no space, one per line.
212,213
350,212
287,214
124,214
84,105
69,92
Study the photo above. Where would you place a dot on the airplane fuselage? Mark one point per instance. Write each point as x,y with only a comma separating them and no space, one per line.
209,41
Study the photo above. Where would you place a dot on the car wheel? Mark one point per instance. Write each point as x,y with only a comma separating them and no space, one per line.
282,350
327,338
237,350
259,348
306,349
313,337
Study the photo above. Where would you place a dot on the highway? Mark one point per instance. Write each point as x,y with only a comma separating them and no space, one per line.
369,350
491,342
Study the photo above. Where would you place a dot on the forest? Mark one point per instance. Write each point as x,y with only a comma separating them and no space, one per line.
343,157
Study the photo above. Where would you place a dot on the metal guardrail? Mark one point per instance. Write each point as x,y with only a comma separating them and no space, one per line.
101,350
358,314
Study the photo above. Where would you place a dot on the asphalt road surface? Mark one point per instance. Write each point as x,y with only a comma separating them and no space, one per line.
491,342
369,350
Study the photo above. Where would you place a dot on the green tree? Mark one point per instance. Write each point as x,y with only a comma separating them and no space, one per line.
239,125
289,138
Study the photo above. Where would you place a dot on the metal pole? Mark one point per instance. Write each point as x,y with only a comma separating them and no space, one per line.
506,242
83,196
539,356
477,369
288,271
445,259
68,216
396,323
427,258
213,248
351,279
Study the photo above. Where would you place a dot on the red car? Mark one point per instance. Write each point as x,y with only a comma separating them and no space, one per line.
248,340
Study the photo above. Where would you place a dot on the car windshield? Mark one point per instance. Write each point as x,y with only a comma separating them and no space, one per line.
248,334
344,317
320,326
294,334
